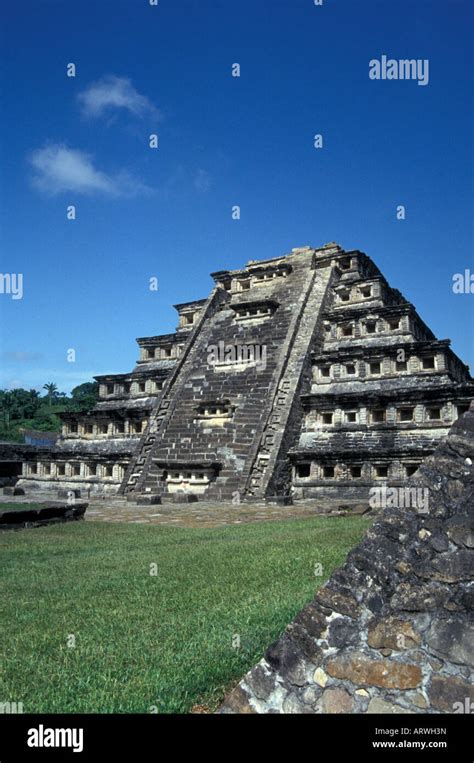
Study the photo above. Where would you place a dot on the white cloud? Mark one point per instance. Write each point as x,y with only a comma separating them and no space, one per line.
20,356
111,93
59,169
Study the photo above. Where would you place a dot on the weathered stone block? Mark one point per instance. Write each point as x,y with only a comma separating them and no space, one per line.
392,633
336,700
342,632
380,706
320,677
238,702
339,602
13,491
360,669
261,681
447,568
461,529
452,638
307,643
418,598
184,498
293,706
417,699
46,513
287,659
148,499
439,543
445,692
312,620
311,694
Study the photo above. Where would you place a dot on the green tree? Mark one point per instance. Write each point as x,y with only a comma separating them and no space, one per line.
85,396
17,404
7,404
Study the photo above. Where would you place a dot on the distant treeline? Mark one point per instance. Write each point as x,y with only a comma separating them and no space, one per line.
28,409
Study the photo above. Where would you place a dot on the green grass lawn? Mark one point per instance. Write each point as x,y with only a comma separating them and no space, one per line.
144,641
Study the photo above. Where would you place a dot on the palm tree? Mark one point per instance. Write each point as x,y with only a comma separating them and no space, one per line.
52,390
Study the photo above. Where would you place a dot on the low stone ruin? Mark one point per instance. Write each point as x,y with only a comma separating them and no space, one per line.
44,513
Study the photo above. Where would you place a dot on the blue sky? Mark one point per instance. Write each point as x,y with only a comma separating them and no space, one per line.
223,141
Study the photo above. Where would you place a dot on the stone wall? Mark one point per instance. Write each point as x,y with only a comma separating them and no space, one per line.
44,513
392,630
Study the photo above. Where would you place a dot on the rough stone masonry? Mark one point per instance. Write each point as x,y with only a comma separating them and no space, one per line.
392,630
